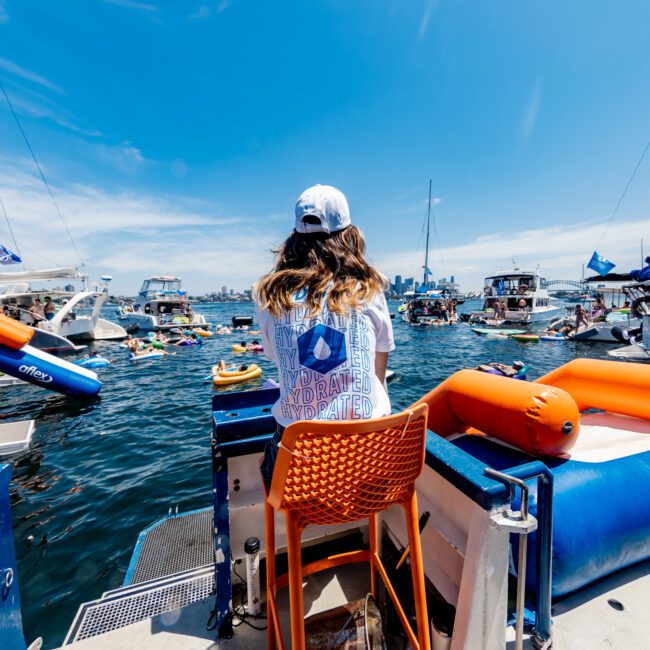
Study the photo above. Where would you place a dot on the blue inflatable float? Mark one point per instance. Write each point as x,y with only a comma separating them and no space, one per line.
49,372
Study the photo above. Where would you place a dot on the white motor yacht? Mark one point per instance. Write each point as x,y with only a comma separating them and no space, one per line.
525,296
77,312
160,305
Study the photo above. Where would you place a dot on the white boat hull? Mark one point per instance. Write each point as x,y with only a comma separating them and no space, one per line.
631,353
520,317
150,323
602,332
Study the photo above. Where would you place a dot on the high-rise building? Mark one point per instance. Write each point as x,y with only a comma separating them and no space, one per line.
398,284
224,290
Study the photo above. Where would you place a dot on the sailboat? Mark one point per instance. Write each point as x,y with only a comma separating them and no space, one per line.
425,305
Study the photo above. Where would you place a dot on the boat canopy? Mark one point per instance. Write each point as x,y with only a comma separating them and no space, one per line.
43,274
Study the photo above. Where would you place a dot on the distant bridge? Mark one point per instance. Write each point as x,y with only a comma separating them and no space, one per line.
574,285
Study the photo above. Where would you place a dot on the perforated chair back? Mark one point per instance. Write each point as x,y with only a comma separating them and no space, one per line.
331,472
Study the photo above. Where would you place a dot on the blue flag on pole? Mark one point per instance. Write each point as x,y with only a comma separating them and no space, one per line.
599,264
7,257
428,271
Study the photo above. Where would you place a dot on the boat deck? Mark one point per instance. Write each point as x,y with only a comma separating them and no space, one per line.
583,621
180,603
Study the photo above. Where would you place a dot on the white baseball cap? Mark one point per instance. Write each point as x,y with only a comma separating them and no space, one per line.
322,208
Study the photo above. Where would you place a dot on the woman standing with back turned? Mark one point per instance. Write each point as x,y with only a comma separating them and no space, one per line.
324,320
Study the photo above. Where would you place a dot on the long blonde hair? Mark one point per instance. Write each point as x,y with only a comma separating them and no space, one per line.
311,262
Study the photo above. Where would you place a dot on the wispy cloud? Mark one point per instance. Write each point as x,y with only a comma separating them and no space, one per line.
131,234
37,105
124,156
532,111
559,250
205,12
201,14
429,8
131,4
18,71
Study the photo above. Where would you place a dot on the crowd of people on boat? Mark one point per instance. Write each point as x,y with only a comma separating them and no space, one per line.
443,309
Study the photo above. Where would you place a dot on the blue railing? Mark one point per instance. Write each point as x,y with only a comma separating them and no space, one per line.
11,622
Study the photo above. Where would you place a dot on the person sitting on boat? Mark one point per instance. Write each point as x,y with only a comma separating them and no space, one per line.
70,315
48,308
522,304
598,311
324,320
189,313
37,312
499,310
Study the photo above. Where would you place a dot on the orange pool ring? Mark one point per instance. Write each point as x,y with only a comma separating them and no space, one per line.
13,334
539,419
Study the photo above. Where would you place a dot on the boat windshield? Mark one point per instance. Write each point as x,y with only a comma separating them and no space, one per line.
509,284
162,288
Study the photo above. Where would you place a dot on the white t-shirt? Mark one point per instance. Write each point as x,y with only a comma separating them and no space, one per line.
326,363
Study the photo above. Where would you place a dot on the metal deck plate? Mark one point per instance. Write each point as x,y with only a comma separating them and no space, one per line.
112,613
177,544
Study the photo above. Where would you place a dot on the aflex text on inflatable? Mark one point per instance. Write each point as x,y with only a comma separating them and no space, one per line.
21,360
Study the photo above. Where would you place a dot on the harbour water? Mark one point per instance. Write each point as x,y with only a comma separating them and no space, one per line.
99,472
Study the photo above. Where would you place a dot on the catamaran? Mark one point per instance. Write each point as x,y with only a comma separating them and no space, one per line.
77,313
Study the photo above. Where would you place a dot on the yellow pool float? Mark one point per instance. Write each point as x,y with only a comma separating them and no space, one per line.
204,333
225,377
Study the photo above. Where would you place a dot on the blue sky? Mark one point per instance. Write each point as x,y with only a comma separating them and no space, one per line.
178,135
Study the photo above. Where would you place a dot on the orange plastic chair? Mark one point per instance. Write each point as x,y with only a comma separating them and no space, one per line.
330,472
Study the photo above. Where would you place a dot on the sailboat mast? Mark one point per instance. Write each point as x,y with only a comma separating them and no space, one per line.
426,250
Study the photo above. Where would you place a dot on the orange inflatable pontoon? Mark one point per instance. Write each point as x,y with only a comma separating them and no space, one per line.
542,420
541,417
13,334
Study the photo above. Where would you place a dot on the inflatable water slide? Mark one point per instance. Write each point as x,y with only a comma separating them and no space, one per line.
25,362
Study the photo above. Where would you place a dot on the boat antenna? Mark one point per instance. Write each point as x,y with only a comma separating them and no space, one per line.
11,232
40,171
627,187
426,249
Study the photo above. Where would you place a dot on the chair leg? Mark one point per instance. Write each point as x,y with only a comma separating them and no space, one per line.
269,516
417,573
296,604
372,534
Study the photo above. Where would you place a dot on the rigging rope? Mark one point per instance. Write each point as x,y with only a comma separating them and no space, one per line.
40,171
35,252
11,232
627,187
